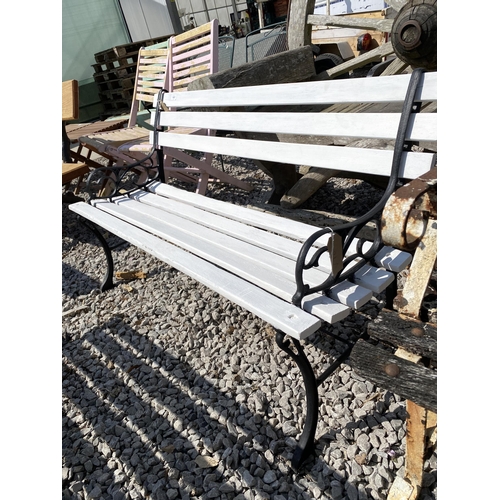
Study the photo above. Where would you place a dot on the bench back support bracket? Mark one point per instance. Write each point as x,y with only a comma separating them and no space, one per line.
350,230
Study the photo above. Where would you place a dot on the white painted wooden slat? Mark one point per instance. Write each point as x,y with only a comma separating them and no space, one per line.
280,225
278,284
262,239
325,308
350,294
249,240
370,161
380,89
388,257
281,315
422,127
373,278
256,257
393,259
243,250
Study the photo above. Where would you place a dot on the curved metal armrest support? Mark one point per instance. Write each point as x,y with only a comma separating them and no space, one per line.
107,182
342,236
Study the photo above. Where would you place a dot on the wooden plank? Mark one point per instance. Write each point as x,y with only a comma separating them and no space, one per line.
373,278
375,162
363,23
411,381
358,90
264,239
393,259
289,66
422,127
412,335
243,249
298,29
420,272
72,171
362,60
193,33
396,67
281,315
415,446
70,106
328,35
349,294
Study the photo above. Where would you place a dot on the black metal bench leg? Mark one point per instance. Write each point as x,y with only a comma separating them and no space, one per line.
107,282
305,445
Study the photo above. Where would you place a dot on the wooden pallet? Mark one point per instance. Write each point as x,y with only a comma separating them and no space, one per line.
114,74
118,93
126,49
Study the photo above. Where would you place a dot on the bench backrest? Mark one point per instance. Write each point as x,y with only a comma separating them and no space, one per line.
151,76
194,54
364,108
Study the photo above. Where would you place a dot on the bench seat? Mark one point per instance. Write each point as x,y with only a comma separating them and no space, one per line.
246,255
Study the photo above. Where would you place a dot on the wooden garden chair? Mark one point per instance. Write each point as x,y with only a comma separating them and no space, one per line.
190,55
151,76
70,109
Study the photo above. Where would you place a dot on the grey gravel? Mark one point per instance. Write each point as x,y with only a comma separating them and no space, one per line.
160,371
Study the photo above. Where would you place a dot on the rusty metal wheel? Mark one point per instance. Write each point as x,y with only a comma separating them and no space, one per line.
414,34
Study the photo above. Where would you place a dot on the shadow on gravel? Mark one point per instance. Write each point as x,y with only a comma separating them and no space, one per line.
349,197
138,418
75,283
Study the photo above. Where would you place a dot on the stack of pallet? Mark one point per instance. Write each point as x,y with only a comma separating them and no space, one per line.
114,74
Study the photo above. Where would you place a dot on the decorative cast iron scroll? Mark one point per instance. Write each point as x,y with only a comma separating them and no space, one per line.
125,179
342,236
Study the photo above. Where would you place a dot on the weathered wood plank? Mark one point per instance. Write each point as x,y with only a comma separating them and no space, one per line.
396,4
290,66
415,446
298,29
363,60
351,22
411,381
412,335
395,68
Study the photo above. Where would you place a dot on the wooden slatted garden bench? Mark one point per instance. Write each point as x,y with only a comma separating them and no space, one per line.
295,276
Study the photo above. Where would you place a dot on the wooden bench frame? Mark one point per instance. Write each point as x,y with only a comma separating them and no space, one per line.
140,208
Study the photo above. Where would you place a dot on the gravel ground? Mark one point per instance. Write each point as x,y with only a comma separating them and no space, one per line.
170,391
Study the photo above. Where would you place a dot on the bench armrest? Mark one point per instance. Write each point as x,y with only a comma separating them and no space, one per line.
108,182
